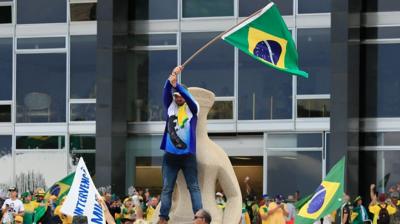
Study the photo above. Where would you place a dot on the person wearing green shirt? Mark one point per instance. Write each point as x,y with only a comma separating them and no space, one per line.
29,207
362,214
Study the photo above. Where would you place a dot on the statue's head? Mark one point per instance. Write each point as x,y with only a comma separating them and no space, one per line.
204,97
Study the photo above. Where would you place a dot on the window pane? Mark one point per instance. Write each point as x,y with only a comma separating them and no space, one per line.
153,9
264,93
221,110
313,108
314,57
381,6
41,11
40,142
299,166
79,142
391,138
252,167
247,8
83,12
83,112
213,68
380,84
311,6
89,158
5,14
40,43
154,39
5,113
200,8
380,32
302,140
6,159
41,81
150,71
371,138
49,167
83,67
6,52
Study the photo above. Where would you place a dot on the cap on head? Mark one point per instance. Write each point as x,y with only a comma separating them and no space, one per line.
12,189
219,194
357,199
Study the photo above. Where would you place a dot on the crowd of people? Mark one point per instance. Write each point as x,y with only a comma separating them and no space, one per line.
140,205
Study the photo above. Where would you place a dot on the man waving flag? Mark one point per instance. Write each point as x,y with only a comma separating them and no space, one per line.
265,37
326,199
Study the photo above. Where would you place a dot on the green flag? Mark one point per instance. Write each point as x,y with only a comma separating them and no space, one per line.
59,189
266,38
327,198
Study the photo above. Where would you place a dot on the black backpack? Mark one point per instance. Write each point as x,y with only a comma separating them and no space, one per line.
383,217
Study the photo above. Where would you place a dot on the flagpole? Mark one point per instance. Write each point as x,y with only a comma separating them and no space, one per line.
216,38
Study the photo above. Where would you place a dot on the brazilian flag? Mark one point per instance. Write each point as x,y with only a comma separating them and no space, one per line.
266,38
326,199
59,189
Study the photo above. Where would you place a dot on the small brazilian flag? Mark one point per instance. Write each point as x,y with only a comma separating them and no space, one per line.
266,38
326,199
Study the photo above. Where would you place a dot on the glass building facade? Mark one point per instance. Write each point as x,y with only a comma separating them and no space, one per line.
274,127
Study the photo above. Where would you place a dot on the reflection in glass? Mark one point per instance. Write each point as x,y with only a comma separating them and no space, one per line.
82,142
153,39
264,93
308,108
83,67
311,6
380,83
247,8
6,46
5,113
41,43
41,11
149,71
6,162
371,138
153,9
40,142
387,169
213,69
221,110
297,166
248,166
391,138
41,87
314,50
5,14
83,11
48,168
380,32
200,8
83,112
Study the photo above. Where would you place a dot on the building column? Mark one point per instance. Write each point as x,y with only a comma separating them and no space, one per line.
111,115
344,121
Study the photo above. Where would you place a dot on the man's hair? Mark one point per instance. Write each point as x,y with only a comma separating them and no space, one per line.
206,215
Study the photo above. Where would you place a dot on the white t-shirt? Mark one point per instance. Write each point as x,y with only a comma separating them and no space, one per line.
15,206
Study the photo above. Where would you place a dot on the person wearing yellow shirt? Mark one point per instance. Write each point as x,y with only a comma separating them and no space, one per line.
29,207
379,203
151,208
275,212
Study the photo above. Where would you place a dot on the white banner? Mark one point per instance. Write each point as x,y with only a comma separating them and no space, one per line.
81,199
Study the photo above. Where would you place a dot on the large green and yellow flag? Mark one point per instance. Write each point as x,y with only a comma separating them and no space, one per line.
327,198
266,38
59,189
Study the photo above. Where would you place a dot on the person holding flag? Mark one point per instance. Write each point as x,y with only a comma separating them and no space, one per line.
179,143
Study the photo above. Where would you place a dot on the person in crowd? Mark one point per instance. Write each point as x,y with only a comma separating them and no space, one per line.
381,208
291,210
179,143
297,195
19,220
29,207
219,199
65,219
245,218
12,206
276,212
202,217
128,209
394,197
360,211
151,208
343,215
263,210
115,206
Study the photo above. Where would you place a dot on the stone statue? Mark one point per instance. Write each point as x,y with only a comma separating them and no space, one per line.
213,165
